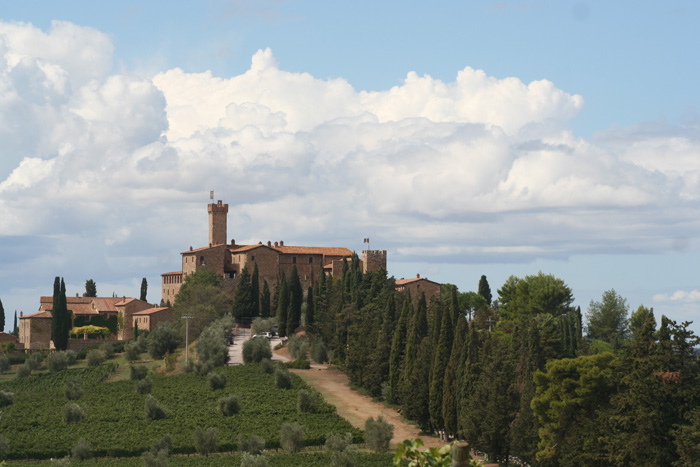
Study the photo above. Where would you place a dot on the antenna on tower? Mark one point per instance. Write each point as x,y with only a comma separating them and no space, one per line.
211,196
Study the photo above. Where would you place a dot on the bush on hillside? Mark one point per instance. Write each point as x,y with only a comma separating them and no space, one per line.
82,450
251,444
205,440
307,402
144,386
160,450
34,361
108,350
254,350
229,405
282,379
292,437
378,434
73,389
132,352
340,447
138,372
4,447
96,357
298,347
4,364
319,353
212,350
298,364
267,366
24,371
6,398
216,380
253,460
261,325
164,338
73,413
57,362
153,410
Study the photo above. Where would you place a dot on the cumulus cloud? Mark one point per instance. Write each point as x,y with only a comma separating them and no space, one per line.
478,168
682,296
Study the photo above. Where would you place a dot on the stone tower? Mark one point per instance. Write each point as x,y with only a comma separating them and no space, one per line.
217,223
373,260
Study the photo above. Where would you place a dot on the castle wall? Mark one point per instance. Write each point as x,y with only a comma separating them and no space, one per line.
171,284
217,223
373,260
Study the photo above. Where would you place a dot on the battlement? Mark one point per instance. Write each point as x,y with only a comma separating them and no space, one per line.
373,260
217,222
219,207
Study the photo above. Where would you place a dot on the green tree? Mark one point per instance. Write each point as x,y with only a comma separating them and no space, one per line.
398,349
532,295
163,339
243,298
441,359
201,297
310,318
2,317
90,288
144,289
485,290
15,330
255,291
282,306
607,319
61,321
450,396
265,304
296,298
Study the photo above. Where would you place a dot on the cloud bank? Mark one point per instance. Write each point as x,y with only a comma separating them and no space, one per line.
112,170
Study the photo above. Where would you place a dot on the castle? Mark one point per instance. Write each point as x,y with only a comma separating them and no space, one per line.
273,259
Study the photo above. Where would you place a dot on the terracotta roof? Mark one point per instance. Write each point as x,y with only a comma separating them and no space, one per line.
85,305
313,250
174,273
40,314
150,311
242,248
415,279
201,249
130,300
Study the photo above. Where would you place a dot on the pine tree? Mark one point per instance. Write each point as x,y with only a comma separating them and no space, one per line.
2,317
441,358
265,304
144,290
485,290
282,306
90,288
310,303
296,298
61,319
255,292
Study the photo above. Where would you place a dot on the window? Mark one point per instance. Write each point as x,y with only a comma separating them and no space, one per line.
201,260
252,258
294,260
311,260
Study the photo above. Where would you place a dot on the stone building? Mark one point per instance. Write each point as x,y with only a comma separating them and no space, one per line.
227,258
147,319
417,285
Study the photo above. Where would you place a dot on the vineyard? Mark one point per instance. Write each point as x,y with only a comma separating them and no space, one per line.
115,426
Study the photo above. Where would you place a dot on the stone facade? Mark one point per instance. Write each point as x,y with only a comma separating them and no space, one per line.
125,311
35,330
272,259
418,285
148,319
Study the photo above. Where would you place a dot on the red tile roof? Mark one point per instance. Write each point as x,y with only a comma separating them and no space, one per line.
150,311
174,273
313,250
201,249
40,314
85,305
403,281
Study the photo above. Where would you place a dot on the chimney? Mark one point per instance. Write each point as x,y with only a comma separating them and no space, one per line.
281,242
276,244
233,242
190,247
260,243
269,243
76,295
417,276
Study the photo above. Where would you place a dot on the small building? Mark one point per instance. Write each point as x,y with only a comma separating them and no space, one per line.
146,320
417,285
35,330
126,308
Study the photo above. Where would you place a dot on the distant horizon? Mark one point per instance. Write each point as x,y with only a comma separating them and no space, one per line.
495,138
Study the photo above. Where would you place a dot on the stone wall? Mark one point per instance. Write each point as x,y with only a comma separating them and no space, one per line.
217,223
373,260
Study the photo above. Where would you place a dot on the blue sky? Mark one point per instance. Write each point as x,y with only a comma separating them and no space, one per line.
569,143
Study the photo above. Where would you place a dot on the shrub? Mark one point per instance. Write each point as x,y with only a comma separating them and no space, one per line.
158,459
144,386
164,443
229,405
153,410
34,361
24,371
57,362
4,447
6,398
299,364
205,440
73,389
378,434
217,380
253,460
298,347
282,379
164,338
292,437
254,350
82,450
95,357
319,352
132,352
307,402
261,325
4,364
251,444
63,462
73,413
138,372
170,359
212,350
108,350
335,442
72,357
267,366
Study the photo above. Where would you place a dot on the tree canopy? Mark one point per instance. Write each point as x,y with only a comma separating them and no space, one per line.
532,295
90,288
606,320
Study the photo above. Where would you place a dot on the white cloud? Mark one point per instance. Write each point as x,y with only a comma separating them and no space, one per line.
679,296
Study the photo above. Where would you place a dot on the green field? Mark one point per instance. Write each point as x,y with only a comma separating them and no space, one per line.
115,425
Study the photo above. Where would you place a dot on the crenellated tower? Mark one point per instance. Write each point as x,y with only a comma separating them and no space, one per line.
217,223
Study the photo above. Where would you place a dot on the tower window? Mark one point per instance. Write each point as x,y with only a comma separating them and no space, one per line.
311,260
294,260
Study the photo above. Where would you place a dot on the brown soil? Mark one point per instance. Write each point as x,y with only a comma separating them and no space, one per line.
356,408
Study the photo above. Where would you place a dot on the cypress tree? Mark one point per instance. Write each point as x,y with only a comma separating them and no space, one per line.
416,333
15,330
296,298
2,317
255,291
282,306
398,348
144,290
243,300
485,290
90,288
310,303
449,398
265,304
441,358
60,317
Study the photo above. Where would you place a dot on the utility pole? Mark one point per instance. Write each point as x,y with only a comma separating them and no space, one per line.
187,319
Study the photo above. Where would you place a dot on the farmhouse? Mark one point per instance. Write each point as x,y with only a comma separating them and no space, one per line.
147,319
227,258
417,285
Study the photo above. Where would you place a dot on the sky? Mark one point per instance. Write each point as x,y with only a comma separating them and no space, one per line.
465,138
